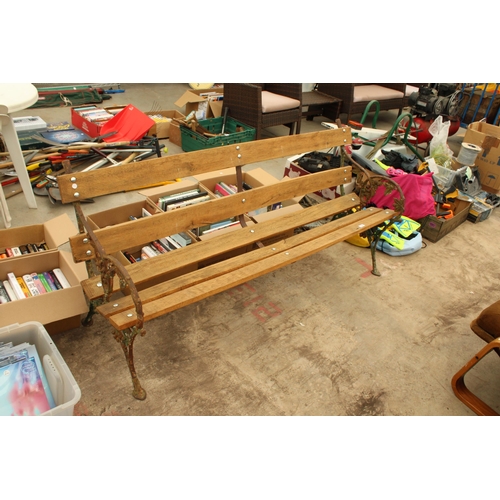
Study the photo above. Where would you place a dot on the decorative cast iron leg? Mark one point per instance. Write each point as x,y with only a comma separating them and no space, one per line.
373,249
126,339
88,320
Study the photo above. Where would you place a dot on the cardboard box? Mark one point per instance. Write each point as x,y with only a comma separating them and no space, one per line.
90,128
63,387
175,136
487,137
254,178
161,129
154,194
205,103
54,233
49,307
126,121
434,228
121,214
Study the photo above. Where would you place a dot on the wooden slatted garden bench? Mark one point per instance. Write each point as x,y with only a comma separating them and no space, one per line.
130,295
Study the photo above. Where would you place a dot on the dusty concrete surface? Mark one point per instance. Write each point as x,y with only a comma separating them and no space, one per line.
320,337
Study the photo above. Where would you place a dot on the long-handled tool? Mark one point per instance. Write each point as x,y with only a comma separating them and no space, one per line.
224,121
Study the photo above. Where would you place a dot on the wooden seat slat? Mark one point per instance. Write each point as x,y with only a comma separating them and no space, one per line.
145,270
228,274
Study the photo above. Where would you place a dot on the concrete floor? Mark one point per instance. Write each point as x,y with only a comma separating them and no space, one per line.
320,337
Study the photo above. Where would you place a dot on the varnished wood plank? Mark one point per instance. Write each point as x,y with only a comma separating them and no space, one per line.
243,274
132,233
145,270
363,218
133,176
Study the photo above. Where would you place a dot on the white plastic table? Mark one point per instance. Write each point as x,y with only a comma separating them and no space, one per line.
16,97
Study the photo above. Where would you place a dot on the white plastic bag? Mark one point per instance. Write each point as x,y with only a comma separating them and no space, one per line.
438,148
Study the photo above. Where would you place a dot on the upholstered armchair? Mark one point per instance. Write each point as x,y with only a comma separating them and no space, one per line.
356,96
263,105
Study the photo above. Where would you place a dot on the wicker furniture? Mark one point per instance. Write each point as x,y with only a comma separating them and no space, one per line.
320,104
351,104
244,101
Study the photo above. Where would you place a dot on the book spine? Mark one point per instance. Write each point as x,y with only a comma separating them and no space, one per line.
173,243
4,296
130,257
159,247
148,252
33,290
45,283
9,290
61,278
165,244
228,188
187,203
182,239
15,286
55,280
50,281
38,283
219,189
23,287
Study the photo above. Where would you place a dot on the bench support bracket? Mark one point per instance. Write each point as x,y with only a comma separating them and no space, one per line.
126,339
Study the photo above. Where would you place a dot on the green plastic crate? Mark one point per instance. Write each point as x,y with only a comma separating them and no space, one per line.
193,141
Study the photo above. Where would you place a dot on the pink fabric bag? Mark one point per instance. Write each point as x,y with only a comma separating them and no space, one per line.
417,190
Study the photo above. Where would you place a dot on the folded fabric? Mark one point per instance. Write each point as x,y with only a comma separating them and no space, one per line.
417,190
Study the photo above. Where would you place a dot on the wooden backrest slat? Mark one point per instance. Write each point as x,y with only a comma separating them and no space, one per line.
132,233
135,176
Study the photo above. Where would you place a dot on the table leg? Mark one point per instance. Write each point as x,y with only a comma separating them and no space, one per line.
14,149
4,209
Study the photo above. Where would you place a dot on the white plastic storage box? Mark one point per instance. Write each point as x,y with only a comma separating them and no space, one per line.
62,384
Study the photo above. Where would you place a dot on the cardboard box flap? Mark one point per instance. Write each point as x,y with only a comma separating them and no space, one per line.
68,265
59,230
194,96
189,96
485,128
216,107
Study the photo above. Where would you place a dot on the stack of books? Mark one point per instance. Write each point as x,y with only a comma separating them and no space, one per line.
180,200
31,285
23,250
